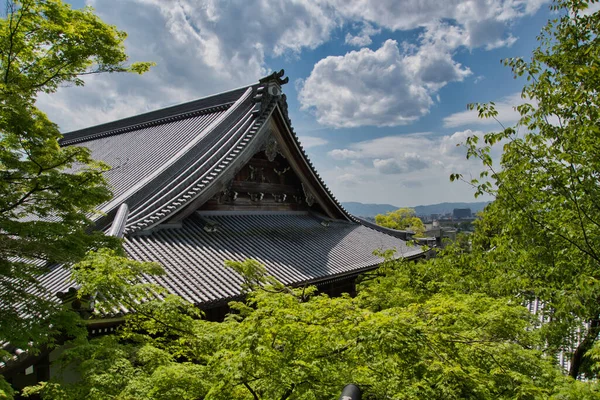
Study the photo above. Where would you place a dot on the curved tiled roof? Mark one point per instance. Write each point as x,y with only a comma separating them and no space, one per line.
295,247
203,170
167,159
163,160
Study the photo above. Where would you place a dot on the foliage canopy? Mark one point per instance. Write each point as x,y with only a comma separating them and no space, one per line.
46,208
540,238
413,342
401,219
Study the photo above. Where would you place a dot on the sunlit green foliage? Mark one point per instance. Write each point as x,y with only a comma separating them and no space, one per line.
401,219
419,341
452,327
45,209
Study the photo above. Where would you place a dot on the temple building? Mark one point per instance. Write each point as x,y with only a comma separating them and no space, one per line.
225,178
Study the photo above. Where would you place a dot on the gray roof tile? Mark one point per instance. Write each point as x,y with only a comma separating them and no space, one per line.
294,247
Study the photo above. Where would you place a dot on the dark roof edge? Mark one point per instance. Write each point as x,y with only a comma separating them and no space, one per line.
356,272
205,104
404,235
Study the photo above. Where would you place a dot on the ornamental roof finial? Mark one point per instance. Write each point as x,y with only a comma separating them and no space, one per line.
275,77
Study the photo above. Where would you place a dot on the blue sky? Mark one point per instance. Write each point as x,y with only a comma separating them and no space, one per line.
378,89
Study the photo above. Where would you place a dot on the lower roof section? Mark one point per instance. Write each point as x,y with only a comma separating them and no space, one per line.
295,247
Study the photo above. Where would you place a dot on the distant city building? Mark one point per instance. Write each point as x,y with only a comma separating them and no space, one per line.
460,213
438,236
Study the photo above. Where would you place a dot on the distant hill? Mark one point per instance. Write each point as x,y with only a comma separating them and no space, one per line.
371,210
368,210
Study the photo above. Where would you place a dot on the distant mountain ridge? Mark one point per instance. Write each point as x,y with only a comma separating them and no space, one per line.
371,210
367,210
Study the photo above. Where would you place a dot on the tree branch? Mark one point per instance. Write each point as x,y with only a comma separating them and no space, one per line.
254,395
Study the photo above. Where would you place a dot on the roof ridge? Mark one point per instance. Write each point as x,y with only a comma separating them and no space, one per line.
400,234
197,183
163,115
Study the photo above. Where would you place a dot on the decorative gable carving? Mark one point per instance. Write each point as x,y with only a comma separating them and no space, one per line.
266,182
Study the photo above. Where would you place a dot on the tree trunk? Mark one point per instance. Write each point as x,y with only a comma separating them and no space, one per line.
583,347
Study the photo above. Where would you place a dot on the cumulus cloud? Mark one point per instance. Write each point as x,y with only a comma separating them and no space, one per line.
369,88
404,169
506,114
411,14
412,72
343,154
432,61
408,163
363,38
348,179
206,47
200,48
407,154
393,85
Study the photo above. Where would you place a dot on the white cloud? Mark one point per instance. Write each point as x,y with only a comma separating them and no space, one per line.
386,87
200,48
343,154
404,170
363,38
507,114
395,85
406,164
406,153
312,141
411,14
365,87
206,47
348,179
432,62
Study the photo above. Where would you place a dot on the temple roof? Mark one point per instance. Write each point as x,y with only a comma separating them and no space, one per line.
168,165
166,159
296,248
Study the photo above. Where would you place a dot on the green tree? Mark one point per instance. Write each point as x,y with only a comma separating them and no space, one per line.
540,238
404,336
401,219
46,209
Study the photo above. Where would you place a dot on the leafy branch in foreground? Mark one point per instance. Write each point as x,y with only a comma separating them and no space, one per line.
46,208
48,193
